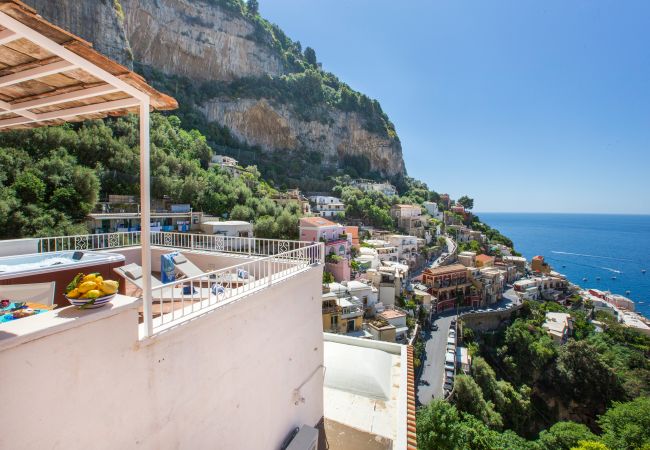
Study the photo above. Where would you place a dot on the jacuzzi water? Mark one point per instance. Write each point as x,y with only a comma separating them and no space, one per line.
36,262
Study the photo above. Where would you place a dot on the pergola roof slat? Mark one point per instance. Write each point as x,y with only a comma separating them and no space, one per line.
7,36
48,76
36,72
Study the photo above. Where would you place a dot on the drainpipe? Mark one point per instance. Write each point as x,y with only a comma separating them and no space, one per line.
145,218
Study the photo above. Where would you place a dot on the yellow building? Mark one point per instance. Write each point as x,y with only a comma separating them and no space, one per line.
341,314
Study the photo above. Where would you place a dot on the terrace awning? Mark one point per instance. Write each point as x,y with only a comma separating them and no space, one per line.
49,76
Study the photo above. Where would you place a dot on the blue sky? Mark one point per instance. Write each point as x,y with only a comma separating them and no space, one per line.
523,105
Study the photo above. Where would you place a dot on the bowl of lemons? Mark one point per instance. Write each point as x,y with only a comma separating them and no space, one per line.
90,291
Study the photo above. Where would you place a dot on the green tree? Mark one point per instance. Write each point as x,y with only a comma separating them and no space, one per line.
467,202
328,277
253,7
627,425
438,427
564,436
590,445
310,56
29,187
468,397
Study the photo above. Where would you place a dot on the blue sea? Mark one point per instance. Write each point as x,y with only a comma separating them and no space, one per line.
586,246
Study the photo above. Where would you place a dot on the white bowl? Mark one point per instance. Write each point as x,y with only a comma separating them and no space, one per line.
83,302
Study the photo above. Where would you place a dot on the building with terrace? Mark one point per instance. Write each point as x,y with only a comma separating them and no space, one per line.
451,286
327,206
409,219
337,244
116,216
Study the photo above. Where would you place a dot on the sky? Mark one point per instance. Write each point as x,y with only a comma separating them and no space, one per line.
536,106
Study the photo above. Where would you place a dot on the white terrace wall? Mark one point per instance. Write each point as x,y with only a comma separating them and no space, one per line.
225,380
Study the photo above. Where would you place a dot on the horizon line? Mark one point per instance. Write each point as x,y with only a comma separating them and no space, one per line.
564,212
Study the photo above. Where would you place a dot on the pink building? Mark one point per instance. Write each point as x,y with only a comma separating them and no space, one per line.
337,242
315,229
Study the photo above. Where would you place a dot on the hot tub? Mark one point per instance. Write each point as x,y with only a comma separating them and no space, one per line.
60,267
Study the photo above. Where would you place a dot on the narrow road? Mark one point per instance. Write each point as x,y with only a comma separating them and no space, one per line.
430,383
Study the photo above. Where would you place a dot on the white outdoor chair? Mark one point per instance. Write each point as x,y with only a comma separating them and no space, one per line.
42,293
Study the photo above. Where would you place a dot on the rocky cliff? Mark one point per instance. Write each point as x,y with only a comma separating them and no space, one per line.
273,127
193,39
203,41
97,21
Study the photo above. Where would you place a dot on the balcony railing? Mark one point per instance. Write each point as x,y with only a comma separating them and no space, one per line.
204,242
178,301
271,261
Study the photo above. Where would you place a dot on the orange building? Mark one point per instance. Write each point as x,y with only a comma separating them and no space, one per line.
538,265
484,260
449,284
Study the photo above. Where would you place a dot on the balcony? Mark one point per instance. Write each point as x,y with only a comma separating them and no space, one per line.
194,355
233,267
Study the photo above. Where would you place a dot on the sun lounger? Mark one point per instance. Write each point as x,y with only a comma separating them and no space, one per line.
186,267
132,273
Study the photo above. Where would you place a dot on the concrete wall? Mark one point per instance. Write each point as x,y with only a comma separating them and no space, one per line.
11,247
486,321
224,380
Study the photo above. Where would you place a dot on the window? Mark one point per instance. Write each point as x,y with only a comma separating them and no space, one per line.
350,326
334,322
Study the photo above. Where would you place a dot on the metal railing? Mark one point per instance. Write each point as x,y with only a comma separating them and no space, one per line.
175,301
190,241
89,241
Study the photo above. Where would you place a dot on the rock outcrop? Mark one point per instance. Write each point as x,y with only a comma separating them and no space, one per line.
212,40
99,22
197,40
277,128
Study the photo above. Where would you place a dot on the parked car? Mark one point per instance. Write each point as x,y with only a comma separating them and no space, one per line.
434,327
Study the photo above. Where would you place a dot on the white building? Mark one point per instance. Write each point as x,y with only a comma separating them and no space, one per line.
366,185
558,325
367,294
407,248
230,228
385,250
432,210
326,206
223,161
390,279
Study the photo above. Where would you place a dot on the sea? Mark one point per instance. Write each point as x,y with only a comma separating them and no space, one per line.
609,250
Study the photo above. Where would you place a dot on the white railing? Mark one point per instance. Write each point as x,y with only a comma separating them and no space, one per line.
206,242
175,301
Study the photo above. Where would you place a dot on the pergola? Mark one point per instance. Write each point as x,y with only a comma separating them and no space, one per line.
49,76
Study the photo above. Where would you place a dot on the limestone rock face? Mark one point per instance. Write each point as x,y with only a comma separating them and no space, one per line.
195,39
276,128
203,40
97,21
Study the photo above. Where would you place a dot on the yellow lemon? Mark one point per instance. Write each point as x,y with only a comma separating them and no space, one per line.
94,293
89,277
74,293
87,286
109,286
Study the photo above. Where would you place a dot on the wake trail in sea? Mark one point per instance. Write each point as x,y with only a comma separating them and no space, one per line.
591,256
611,270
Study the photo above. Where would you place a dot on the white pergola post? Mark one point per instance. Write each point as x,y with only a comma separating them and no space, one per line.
145,217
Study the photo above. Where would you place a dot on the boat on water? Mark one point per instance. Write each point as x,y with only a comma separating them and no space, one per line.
613,278
584,279
597,278
642,270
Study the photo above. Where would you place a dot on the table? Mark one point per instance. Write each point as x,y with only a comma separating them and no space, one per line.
8,316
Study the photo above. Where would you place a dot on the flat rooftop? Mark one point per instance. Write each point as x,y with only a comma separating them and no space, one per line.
365,389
